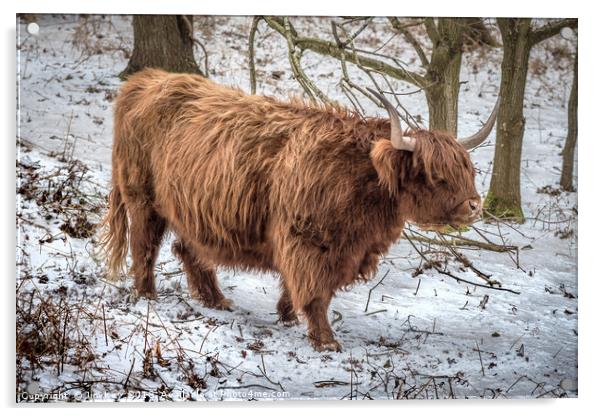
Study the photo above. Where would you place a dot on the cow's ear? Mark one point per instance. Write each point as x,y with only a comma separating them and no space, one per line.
387,162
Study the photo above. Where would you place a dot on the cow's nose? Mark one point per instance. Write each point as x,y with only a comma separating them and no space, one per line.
475,205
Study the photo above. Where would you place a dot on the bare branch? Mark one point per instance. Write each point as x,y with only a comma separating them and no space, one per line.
356,33
295,60
333,50
549,30
351,84
407,117
252,73
409,37
193,39
431,29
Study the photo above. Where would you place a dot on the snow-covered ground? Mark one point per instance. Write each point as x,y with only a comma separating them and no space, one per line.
409,335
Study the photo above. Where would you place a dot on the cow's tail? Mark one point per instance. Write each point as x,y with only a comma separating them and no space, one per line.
115,238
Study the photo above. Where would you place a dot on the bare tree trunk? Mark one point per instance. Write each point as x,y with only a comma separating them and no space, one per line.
443,74
504,198
442,98
162,41
568,153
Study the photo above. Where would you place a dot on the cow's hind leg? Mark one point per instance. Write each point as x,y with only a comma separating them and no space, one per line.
146,233
202,280
286,312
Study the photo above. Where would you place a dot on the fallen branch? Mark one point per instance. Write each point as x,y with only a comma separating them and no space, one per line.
459,241
458,279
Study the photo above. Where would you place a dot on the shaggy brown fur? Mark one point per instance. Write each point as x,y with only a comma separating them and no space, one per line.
315,194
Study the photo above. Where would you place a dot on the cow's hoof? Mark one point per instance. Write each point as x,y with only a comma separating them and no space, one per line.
333,346
289,321
147,294
224,304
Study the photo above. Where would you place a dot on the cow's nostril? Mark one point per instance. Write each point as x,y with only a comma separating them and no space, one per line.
473,205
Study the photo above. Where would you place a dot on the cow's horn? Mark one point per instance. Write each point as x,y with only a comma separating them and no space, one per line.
480,136
398,140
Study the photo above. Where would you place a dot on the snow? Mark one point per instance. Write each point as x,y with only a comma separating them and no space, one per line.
426,336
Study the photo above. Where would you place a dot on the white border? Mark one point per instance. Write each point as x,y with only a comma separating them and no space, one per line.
550,8
590,140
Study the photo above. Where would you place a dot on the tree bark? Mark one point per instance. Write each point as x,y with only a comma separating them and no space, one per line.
504,196
162,41
443,74
568,153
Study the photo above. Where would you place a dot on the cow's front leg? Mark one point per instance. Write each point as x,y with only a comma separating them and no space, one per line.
318,328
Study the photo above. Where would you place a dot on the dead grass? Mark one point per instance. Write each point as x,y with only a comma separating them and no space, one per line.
59,196
48,335
97,34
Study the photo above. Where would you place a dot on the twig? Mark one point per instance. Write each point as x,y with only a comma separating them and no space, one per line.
67,133
104,320
146,327
246,386
205,337
127,380
351,375
374,287
252,73
410,39
21,218
64,340
375,312
451,390
480,358
263,371
417,287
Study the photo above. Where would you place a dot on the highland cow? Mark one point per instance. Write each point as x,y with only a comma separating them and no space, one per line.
314,193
